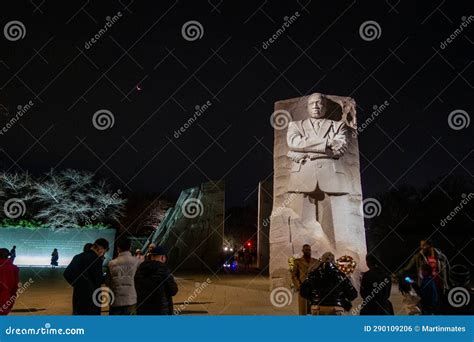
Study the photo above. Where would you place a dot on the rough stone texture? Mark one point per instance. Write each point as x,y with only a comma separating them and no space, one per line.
265,204
293,220
194,243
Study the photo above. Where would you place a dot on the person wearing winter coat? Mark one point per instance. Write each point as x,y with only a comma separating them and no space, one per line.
85,274
375,288
9,278
121,280
435,259
328,289
155,285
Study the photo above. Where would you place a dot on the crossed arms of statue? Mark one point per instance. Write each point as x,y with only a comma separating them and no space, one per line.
299,144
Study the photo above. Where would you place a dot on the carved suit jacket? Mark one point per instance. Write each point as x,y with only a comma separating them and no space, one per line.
313,165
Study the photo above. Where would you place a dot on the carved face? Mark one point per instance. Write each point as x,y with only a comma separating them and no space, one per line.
317,106
307,251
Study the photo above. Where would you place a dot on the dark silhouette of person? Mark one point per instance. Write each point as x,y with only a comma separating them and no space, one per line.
85,274
13,254
86,247
54,258
328,289
375,288
155,285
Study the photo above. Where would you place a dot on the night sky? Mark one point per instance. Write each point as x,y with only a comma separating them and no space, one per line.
151,79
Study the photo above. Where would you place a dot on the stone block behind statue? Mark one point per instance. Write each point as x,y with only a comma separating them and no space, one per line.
317,189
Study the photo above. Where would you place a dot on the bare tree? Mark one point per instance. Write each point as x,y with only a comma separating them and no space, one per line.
65,199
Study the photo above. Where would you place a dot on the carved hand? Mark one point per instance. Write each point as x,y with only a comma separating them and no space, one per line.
338,145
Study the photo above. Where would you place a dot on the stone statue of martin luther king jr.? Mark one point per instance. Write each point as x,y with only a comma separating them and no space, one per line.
316,146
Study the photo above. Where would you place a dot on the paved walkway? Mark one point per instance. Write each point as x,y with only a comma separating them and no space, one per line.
233,294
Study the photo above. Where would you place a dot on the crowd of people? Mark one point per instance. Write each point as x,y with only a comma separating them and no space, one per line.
137,284
141,285
425,282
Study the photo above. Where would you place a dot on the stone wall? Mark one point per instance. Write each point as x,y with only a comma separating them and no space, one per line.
35,245
193,229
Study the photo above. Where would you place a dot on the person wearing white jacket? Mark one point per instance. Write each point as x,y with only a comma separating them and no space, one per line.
121,280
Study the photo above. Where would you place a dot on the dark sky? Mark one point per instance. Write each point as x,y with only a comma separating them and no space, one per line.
322,50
